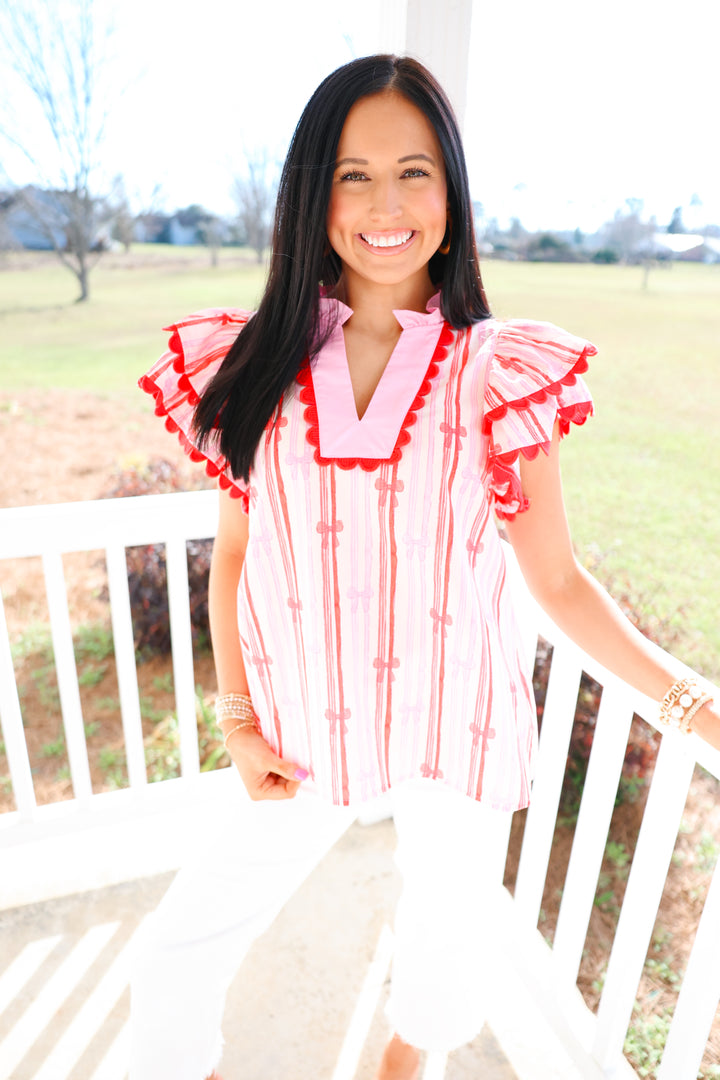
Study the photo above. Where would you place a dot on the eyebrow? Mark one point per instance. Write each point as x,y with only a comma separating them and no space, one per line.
402,160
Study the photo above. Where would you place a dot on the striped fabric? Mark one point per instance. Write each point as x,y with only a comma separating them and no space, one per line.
375,614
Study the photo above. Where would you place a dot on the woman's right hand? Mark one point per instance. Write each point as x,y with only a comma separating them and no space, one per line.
264,774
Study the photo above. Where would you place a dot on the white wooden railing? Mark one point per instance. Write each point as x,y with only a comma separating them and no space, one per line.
94,839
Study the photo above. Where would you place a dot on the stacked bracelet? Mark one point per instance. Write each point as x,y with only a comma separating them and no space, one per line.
233,707
679,706
237,707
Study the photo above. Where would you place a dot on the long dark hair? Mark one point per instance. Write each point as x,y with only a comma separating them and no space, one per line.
267,355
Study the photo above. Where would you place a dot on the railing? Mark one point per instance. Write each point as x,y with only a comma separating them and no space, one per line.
598,1040
102,838
96,838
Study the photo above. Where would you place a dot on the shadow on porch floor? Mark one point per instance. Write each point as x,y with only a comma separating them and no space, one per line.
307,1004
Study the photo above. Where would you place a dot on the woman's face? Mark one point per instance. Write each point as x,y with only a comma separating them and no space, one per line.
388,206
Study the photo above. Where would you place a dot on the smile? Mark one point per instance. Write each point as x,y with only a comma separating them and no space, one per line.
387,241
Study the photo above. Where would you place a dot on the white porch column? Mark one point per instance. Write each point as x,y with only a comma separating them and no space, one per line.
437,34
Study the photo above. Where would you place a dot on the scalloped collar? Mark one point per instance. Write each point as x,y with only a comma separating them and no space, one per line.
341,434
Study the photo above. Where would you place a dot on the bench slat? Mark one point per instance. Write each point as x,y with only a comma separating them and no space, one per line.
596,807
67,676
121,617
86,526
558,717
12,728
699,995
183,669
656,840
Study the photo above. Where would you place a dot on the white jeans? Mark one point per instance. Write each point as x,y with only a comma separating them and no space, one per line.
193,944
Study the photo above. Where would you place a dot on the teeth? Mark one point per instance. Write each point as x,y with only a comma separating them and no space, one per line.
392,240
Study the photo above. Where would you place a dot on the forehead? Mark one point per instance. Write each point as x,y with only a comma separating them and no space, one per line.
387,124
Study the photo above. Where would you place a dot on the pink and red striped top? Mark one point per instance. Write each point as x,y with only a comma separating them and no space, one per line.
374,609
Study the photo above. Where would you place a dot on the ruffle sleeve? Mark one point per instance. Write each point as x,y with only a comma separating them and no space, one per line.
196,349
533,381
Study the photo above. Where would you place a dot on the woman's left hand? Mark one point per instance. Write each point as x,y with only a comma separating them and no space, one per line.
264,774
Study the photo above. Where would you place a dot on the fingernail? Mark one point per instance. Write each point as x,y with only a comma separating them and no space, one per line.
301,774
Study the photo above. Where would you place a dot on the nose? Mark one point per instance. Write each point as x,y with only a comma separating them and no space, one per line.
386,202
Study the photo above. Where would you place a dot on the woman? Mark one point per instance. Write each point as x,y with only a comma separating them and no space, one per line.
367,424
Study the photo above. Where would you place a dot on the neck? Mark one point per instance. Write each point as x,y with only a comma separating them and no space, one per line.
373,303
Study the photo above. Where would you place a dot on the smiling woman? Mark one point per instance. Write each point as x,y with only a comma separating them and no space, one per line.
368,425
388,210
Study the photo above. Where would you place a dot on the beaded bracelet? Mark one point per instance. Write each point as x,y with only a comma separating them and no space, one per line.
679,706
239,727
233,707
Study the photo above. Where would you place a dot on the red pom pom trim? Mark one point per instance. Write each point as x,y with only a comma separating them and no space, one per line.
553,389
505,481
307,397
214,469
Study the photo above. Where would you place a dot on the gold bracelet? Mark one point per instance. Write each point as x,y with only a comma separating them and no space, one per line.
679,706
239,727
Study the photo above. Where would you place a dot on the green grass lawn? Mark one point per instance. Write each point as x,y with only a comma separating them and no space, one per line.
105,344
642,478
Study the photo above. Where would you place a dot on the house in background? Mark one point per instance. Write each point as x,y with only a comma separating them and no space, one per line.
37,219
686,247
22,227
149,228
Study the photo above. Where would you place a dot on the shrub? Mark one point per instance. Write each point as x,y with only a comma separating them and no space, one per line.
152,476
147,573
546,247
147,579
605,255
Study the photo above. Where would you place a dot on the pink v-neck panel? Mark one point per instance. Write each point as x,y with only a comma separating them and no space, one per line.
344,435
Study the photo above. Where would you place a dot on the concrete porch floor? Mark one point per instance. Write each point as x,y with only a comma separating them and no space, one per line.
307,1003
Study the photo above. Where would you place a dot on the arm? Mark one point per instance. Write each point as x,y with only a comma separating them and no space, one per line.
574,600
265,775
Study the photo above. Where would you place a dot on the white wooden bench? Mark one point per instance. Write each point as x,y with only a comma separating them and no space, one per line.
102,838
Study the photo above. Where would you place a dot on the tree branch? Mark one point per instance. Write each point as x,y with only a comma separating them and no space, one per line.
55,57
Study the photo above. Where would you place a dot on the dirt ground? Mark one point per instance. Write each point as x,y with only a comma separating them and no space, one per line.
67,446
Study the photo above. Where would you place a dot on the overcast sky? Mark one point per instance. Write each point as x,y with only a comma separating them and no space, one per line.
572,106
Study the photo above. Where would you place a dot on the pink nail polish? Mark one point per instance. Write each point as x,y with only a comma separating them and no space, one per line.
301,774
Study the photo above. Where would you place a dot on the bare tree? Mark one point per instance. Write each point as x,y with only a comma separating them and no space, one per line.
127,214
254,195
121,215
56,56
212,232
627,234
